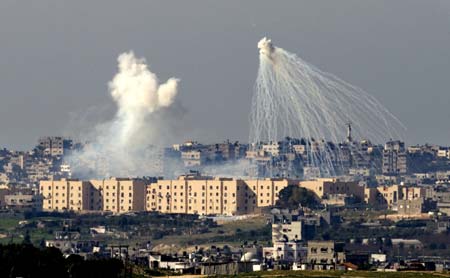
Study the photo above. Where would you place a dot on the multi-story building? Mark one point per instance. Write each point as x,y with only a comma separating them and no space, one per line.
330,186
192,158
115,195
383,196
325,254
291,231
206,195
64,194
394,158
413,192
55,146
119,194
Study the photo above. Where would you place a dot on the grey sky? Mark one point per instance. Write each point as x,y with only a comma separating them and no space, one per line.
56,58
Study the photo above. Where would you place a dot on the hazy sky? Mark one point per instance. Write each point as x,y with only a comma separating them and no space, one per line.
56,58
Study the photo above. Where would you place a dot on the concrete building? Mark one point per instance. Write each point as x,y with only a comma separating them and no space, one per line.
383,197
327,186
195,194
394,159
22,201
192,158
412,193
286,252
285,232
55,146
410,206
64,194
115,195
119,194
324,254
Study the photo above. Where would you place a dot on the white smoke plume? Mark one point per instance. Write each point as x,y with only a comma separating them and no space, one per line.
125,146
294,98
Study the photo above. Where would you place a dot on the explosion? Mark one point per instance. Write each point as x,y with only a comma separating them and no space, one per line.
124,146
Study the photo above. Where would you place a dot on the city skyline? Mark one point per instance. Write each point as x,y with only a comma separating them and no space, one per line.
401,63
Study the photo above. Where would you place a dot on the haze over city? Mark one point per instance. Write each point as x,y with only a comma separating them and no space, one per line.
224,138
59,58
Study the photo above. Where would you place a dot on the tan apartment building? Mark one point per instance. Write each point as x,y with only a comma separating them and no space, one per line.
383,196
115,195
325,187
413,192
207,195
119,194
64,194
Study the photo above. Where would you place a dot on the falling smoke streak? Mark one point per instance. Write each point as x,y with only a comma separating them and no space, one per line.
125,146
294,98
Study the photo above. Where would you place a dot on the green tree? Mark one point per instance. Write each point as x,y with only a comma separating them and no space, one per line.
292,196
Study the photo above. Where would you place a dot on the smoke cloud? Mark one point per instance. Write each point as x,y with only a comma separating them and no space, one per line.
126,145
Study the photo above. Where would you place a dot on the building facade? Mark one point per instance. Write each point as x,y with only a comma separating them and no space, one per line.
394,159
114,195
213,196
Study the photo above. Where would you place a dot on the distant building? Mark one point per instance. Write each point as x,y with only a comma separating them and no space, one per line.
394,158
383,197
410,207
325,254
55,146
285,251
21,201
115,195
326,187
195,194
290,231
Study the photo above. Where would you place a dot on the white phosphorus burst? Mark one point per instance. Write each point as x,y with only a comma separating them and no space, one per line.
294,98
128,144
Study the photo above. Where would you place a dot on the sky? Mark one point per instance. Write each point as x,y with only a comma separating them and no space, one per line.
57,57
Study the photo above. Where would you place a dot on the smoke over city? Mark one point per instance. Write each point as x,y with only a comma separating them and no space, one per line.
127,145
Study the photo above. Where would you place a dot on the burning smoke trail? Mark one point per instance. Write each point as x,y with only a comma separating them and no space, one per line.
123,146
294,98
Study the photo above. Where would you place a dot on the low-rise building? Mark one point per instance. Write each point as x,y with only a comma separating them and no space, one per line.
325,254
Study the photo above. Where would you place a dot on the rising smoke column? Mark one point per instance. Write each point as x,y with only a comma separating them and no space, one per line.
294,98
125,145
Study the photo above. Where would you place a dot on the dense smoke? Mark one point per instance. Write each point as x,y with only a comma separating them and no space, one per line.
126,145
